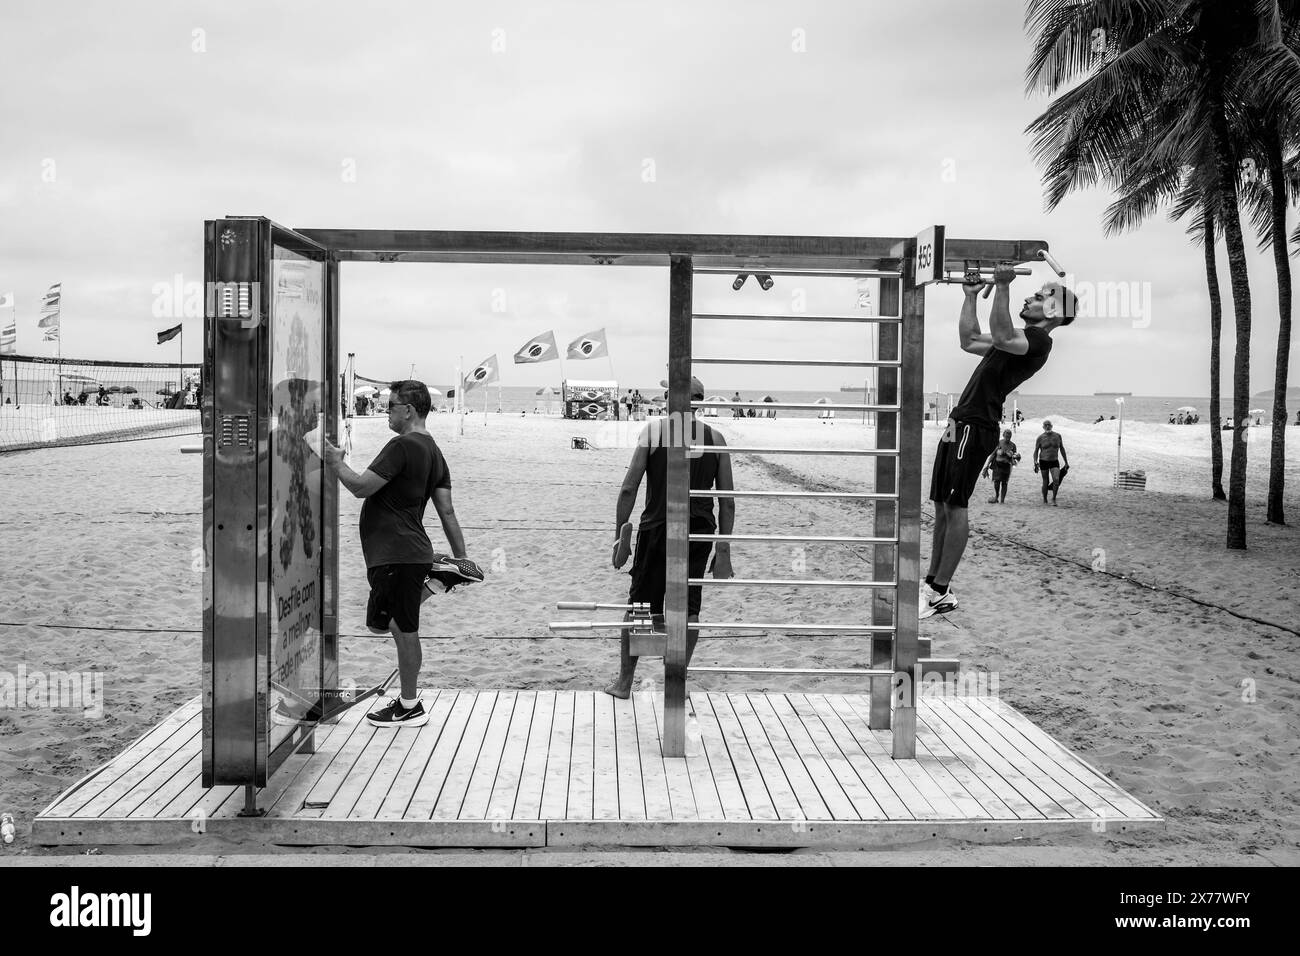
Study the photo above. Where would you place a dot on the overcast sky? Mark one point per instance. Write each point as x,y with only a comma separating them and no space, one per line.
125,125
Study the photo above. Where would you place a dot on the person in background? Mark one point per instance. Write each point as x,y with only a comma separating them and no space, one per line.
1049,457
1001,461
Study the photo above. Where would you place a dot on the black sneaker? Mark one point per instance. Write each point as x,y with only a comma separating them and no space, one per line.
449,573
395,715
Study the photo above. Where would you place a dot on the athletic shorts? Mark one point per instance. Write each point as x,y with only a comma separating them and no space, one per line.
963,449
1048,465
1001,472
648,568
395,594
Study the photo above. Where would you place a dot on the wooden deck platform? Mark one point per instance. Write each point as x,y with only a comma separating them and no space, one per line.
552,768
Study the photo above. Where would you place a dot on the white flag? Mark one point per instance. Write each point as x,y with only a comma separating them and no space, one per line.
589,346
7,300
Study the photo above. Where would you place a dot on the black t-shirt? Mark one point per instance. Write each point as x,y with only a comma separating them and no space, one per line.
392,519
704,475
998,375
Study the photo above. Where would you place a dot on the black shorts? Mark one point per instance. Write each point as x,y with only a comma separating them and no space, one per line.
1001,472
1046,466
648,568
963,449
395,594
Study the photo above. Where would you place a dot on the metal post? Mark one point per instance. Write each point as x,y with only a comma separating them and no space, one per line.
882,565
680,295
1119,439
907,673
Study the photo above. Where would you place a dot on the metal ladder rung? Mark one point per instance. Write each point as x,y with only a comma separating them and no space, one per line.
594,606
760,270
724,317
836,628
714,493
798,671
790,537
809,406
792,362
736,450
791,583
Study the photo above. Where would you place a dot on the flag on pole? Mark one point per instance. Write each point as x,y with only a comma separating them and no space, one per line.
589,346
7,300
541,348
50,310
9,339
166,335
484,374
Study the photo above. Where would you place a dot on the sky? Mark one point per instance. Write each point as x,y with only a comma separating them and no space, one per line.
126,125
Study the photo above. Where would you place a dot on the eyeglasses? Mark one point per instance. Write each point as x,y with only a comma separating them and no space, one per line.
392,405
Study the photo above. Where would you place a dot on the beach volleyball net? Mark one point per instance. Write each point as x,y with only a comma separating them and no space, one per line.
47,402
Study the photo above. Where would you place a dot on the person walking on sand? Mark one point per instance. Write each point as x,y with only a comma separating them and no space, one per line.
1050,460
649,577
401,566
1001,460
1010,356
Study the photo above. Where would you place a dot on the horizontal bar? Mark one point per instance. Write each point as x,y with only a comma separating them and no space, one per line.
799,671
790,537
791,583
592,606
601,626
810,406
737,450
837,628
727,316
191,449
714,493
814,273
895,363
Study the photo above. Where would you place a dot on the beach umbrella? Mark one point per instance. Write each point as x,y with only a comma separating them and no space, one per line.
545,390
128,390
114,389
1186,408
1256,411
365,390
432,390
73,377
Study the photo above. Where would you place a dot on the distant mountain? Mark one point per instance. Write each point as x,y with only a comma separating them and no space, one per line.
1265,399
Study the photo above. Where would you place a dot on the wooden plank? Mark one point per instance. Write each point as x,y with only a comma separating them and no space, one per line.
399,794
434,778
1042,780
1096,806
126,781
686,775
822,766
964,803
466,759
891,788
340,768
605,784
181,781
555,793
505,789
478,794
876,744
532,778
631,798
797,772
124,762
363,769
1125,804
996,771
582,759
711,765
870,803
385,772
160,777
742,758
654,779
291,800
931,743
778,786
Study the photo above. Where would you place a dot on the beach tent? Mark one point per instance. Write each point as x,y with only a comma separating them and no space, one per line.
711,411
826,414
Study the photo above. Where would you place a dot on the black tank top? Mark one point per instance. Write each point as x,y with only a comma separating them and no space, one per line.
704,475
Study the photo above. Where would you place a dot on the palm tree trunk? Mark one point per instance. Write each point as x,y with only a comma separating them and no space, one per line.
1216,338
1277,450
1240,282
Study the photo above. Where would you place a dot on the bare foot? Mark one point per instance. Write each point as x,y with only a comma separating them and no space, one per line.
620,689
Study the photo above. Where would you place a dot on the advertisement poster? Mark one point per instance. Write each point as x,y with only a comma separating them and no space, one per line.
297,424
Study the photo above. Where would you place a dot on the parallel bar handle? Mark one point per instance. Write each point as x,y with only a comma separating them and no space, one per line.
736,450
791,583
800,671
793,362
809,406
593,606
715,493
837,628
791,537
761,270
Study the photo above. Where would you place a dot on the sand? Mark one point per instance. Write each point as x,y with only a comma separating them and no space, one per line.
1116,620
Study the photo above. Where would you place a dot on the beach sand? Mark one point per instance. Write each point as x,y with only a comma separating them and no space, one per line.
1117,620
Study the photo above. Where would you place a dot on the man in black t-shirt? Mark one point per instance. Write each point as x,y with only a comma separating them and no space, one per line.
649,566
1010,357
407,473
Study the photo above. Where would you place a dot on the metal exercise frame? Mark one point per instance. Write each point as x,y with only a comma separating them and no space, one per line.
235,586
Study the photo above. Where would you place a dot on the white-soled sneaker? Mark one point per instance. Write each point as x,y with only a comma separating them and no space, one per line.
395,715
932,602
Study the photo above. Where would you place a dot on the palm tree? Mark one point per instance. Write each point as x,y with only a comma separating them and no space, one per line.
1155,59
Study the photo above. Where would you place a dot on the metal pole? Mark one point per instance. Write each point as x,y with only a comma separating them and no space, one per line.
680,302
1119,439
